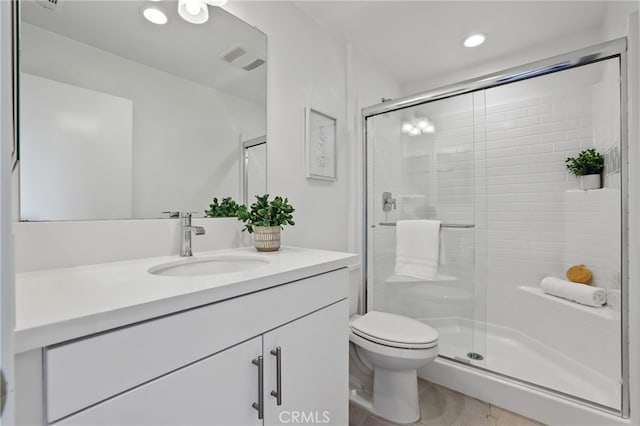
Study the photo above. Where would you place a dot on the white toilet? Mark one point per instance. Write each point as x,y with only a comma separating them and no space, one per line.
394,347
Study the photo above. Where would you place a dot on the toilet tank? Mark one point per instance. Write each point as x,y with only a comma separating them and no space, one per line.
355,282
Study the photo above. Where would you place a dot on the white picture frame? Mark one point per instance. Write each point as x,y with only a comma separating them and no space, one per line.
320,145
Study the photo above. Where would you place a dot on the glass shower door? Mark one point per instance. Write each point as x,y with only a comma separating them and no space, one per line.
491,167
423,162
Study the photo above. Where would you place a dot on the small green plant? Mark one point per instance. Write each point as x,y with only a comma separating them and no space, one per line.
226,208
588,162
263,212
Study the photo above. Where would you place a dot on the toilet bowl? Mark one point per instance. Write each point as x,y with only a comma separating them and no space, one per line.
394,347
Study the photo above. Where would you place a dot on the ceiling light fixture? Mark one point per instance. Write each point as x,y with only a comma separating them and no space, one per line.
406,127
418,126
154,15
196,11
422,124
474,40
193,11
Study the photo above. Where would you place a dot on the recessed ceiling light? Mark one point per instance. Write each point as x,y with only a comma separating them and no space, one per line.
155,15
474,40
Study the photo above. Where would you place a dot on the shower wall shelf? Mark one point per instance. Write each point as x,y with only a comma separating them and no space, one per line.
442,225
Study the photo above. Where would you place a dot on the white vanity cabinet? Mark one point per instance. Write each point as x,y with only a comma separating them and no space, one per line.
314,369
200,366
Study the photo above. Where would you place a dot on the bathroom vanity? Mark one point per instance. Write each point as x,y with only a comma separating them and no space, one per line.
114,344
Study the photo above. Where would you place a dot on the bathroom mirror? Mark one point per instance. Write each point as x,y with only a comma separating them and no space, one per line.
123,118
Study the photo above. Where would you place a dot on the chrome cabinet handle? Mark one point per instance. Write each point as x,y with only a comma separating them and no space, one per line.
259,406
277,394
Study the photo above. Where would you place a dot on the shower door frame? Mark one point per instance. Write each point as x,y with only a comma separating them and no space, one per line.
612,49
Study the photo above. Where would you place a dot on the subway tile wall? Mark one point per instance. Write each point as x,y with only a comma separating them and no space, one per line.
497,160
538,222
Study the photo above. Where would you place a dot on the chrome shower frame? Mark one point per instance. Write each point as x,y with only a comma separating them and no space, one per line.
612,49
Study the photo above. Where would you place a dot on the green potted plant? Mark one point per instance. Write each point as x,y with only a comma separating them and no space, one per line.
265,219
227,207
588,167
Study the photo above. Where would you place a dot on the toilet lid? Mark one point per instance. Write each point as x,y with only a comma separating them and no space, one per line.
394,330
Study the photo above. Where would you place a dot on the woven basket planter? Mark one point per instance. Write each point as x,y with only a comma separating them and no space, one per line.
266,238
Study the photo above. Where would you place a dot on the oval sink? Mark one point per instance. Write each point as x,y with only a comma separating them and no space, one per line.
209,265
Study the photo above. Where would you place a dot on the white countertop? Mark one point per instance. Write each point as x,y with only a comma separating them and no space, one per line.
56,305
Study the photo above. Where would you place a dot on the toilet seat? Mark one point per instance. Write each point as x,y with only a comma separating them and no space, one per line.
395,331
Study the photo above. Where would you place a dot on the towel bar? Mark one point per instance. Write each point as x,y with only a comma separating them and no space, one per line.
442,225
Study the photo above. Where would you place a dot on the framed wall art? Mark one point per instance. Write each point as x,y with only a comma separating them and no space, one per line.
320,144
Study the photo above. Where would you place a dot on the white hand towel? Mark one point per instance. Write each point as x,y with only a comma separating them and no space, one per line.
580,293
417,248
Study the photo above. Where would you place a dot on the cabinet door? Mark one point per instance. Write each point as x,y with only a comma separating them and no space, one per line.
218,390
314,369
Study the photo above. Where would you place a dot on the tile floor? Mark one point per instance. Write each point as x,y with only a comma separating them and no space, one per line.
443,407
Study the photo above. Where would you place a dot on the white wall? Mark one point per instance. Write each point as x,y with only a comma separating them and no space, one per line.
614,22
186,136
305,67
367,84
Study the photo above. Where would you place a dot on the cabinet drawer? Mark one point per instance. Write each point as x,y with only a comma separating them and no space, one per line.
84,372
218,390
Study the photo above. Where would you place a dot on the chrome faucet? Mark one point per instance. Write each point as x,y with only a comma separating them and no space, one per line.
185,231
187,228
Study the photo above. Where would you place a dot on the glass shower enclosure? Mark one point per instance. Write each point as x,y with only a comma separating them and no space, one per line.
488,161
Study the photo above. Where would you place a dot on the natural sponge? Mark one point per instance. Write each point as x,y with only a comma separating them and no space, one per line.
579,274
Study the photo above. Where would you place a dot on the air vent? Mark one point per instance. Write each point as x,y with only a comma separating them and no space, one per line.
48,4
253,65
242,58
234,54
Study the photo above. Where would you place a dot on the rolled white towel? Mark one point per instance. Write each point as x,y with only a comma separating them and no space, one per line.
580,293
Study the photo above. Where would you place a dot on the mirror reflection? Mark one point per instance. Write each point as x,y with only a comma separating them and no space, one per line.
254,169
124,118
